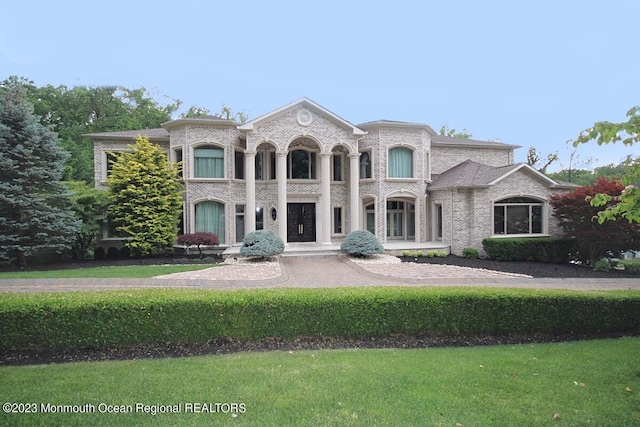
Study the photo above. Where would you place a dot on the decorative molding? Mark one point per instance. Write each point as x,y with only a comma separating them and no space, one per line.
304,117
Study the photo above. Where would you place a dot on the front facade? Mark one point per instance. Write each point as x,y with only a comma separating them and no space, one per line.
311,176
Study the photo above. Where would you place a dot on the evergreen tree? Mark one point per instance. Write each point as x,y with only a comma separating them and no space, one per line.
35,214
145,197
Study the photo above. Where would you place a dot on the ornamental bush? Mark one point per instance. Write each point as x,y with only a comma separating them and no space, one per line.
199,240
541,249
261,243
471,253
361,243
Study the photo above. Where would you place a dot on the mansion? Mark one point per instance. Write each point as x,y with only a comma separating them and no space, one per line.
311,176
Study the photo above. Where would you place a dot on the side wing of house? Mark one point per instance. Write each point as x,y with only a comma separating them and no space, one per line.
471,202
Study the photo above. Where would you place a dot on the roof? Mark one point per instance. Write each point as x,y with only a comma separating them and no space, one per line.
447,141
209,120
470,174
154,133
305,102
397,124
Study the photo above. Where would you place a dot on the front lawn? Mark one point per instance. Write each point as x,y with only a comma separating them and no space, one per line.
120,271
575,383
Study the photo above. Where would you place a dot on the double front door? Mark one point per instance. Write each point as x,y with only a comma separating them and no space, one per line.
301,222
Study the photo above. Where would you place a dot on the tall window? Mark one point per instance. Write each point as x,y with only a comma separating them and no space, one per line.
370,211
518,215
239,223
265,165
302,165
210,219
337,220
259,218
336,167
238,164
177,157
365,165
400,163
208,162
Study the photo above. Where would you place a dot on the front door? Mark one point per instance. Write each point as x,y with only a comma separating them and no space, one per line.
301,222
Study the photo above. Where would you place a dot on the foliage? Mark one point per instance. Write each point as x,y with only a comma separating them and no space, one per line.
593,239
35,214
534,159
603,264
72,112
67,321
445,130
145,197
361,243
471,253
541,249
199,240
90,207
436,254
625,204
261,243
631,265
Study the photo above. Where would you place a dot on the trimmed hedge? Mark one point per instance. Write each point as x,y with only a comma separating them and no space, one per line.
542,249
76,320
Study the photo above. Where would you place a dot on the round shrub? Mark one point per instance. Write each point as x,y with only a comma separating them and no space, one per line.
99,253
261,243
471,253
361,243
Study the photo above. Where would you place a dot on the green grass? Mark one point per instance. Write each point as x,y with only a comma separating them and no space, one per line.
131,271
587,383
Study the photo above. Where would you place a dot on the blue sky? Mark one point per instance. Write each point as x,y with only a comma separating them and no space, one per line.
530,73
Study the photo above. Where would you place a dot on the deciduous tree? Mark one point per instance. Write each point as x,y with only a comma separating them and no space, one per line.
577,217
145,198
625,204
35,214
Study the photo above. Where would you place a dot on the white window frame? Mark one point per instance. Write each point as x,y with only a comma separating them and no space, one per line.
543,214
192,158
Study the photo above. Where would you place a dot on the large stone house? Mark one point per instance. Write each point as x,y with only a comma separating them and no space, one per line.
312,176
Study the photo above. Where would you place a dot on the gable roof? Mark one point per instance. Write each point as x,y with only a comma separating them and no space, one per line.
470,174
305,102
397,124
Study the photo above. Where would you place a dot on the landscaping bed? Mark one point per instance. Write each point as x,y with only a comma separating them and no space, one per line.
534,269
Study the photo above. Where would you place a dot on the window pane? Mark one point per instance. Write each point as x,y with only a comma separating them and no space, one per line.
337,220
259,218
400,163
337,167
272,169
371,222
300,164
208,163
365,165
210,219
536,219
259,165
239,164
518,219
498,219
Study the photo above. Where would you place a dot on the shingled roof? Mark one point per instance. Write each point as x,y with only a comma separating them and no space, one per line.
470,174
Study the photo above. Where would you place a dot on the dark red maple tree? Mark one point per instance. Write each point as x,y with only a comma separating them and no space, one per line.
579,221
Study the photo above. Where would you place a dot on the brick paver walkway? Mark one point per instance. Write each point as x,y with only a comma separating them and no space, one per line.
320,271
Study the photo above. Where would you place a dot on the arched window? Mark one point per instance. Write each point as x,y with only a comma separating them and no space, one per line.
400,162
518,215
208,162
209,218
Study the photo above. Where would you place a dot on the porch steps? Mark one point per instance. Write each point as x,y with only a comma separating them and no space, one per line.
318,249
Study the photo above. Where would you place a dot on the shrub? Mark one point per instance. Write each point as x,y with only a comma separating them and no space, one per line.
631,266
602,264
542,249
471,253
199,240
113,252
261,243
436,254
77,320
361,243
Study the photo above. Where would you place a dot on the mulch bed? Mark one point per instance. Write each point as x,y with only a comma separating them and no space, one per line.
534,269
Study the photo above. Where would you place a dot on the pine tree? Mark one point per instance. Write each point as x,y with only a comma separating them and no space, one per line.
35,214
145,198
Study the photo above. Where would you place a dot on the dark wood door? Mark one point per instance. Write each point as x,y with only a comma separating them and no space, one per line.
301,222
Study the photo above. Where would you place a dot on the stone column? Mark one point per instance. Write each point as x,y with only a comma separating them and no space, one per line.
354,191
325,189
250,183
281,176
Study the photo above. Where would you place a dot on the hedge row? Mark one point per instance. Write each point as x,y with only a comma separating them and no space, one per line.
65,321
541,249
